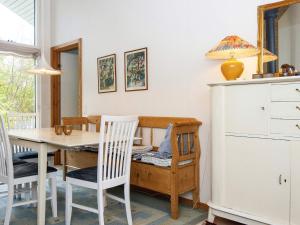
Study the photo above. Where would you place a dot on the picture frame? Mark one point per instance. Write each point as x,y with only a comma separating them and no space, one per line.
136,70
107,74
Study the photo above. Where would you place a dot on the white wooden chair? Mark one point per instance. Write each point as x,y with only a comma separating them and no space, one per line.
115,146
15,174
17,120
25,121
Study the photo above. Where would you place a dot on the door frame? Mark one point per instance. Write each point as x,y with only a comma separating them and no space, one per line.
56,80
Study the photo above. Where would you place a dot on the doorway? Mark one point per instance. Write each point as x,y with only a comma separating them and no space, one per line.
66,90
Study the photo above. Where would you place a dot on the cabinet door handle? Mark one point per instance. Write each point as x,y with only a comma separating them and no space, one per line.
297,89
297,107
280,179
298,126
262,108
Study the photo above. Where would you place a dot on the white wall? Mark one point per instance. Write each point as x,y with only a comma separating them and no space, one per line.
69,84
44,101
177,33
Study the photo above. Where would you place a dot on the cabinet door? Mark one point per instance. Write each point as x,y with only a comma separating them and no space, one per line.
246,109
295,183
257,177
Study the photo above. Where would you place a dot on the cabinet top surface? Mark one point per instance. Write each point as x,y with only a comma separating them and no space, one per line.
256,81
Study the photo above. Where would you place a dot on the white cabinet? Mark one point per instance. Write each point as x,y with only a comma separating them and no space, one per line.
258,177
295,184
256,151
246,109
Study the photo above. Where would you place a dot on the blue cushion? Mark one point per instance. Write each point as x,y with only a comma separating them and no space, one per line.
87,174
29,169
165,146
29,155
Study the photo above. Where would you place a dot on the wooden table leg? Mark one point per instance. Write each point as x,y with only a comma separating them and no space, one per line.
42,174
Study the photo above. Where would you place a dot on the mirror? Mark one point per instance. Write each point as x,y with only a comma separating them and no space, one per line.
279,34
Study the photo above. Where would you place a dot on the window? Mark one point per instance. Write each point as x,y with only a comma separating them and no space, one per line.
17,54
17,89
17,21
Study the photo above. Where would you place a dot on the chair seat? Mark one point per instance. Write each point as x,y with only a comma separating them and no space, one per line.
29,155
18,162
29,169
87,174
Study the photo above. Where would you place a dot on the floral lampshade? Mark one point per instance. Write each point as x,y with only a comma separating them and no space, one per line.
269,56
232,47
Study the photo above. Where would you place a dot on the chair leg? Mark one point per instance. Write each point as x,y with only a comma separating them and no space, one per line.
53,197
34,193
127,203
68,203
100,206
9,205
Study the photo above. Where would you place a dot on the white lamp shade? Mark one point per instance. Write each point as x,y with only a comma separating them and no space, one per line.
43,68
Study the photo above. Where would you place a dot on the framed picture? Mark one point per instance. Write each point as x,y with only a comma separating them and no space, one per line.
136,70
106,67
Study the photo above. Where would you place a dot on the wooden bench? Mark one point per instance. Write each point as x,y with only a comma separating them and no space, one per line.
173,181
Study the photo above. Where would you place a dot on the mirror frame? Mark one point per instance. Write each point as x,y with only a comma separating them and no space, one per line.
261,17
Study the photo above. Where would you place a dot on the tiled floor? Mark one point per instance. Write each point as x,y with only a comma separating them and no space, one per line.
146,210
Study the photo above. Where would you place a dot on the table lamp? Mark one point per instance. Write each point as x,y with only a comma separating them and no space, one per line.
230,48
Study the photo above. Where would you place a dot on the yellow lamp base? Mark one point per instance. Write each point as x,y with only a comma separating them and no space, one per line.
232,69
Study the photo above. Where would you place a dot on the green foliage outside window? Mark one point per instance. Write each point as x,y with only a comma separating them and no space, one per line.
17,88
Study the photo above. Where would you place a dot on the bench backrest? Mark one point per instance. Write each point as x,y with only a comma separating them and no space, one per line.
152,129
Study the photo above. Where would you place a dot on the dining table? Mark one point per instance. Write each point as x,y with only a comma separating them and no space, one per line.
43,141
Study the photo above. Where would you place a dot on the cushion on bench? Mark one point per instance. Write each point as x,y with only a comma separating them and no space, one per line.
166,146
29,169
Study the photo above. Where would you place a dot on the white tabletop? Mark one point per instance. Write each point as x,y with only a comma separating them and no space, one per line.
47,135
